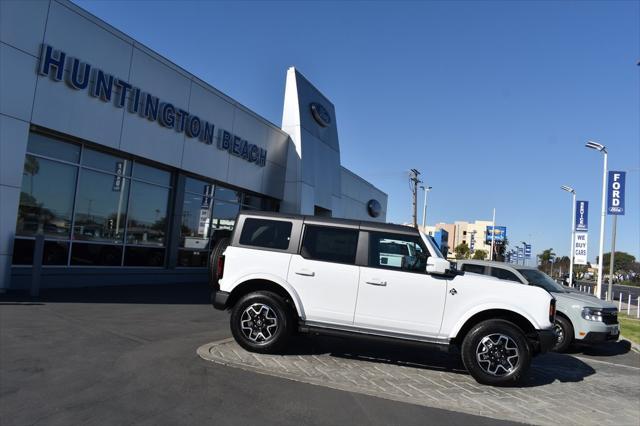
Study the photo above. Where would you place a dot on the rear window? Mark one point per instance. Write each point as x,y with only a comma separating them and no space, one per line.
274,234
330,244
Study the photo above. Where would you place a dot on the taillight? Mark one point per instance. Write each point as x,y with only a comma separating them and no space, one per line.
552,311
220,267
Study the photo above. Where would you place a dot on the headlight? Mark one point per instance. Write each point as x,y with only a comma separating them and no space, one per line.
592,314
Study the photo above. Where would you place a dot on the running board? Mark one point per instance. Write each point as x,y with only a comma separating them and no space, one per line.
382,337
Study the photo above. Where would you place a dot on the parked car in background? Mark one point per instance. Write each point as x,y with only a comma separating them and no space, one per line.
580,317
283,273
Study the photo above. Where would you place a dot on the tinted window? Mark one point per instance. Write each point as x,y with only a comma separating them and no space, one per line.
476,269
106,162
402,252
541,279
330,244
266,233
43,145
151,174
503,274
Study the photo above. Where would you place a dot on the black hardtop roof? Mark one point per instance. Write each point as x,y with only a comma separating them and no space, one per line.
330,221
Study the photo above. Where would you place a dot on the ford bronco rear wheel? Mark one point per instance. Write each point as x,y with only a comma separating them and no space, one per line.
260,322
496,352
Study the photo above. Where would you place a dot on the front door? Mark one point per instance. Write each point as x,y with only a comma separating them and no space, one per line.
395,293
325,275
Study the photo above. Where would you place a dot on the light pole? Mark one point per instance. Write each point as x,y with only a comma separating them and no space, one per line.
602,149
524,253
573,230
426,189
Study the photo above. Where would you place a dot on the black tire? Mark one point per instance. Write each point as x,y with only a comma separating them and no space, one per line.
505,340
264,306
564,329
217,251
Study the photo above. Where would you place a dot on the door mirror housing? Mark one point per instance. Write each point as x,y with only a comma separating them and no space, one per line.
436,265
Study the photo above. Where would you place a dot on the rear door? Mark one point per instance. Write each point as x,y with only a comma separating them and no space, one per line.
325,275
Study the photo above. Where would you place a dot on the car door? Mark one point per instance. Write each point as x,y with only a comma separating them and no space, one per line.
398,296
324,274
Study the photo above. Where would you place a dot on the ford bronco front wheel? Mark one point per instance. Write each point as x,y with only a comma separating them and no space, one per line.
260,322
496,352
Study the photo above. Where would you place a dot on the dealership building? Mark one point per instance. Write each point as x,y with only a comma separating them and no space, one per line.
131,167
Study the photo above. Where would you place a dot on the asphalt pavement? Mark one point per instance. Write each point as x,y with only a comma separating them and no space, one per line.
127,355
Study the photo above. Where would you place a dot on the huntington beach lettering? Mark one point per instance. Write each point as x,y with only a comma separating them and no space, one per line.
99,84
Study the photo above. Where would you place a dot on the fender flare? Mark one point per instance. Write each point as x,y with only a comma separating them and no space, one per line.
487,307
278,281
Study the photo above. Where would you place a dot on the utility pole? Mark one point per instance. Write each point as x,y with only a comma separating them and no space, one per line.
413,178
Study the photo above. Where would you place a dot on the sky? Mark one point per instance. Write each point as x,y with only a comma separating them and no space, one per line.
492,101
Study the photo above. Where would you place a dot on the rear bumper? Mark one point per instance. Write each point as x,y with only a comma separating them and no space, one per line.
546,339
219,299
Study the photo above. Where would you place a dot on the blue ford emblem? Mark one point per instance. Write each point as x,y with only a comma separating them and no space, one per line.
320,114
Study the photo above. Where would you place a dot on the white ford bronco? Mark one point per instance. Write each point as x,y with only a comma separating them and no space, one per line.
283,273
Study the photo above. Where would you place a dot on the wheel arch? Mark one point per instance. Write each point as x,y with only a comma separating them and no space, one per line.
516,318
278,287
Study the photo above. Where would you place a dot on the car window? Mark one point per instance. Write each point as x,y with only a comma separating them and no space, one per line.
273,234
504,274
541,279
402,252
330,244
470,267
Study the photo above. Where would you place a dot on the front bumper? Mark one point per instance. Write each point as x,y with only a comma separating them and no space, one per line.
601,336
219,299
545,340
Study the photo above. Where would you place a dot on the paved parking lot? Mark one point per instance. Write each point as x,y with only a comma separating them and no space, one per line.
128,356
559,388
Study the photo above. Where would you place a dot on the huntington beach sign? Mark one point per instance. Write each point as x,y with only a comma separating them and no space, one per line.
108,88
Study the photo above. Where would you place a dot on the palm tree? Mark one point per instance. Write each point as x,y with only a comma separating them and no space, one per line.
545,258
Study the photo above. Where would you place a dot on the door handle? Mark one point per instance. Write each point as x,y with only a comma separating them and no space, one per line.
378,283
306,273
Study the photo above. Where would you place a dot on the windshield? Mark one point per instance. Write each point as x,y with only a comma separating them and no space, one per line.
541,279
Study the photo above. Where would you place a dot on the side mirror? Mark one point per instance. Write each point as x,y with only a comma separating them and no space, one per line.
436,265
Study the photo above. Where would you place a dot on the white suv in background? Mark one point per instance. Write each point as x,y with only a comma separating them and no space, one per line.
285,273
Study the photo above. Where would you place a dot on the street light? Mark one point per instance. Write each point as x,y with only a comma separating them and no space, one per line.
524,253
573,230
599,147
424,205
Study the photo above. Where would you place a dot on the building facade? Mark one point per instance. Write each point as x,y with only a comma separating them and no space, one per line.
131,167
473,234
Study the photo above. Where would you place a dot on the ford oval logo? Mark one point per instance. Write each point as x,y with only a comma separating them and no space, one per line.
374,208
320,114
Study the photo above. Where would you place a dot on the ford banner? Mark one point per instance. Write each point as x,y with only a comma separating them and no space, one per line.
615,193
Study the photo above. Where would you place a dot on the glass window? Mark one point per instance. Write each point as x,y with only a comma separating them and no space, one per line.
48,147
196,222
273,234
96,254
143,256
198,187
193,258
101,206
403,252
54,252
226,194
46,198
330,244
151,174
108,163
224,215
476,269
147,218
254,202
540,279
503,274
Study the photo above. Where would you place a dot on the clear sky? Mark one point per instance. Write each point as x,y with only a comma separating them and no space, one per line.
492,101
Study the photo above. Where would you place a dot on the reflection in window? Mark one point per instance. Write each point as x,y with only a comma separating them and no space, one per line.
108,163
54,252
196,221
224,215
147,220
46,198
226,194
48,147
151,174
401,252
143,256
100,207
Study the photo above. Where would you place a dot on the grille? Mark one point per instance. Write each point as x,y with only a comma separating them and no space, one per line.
610,317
